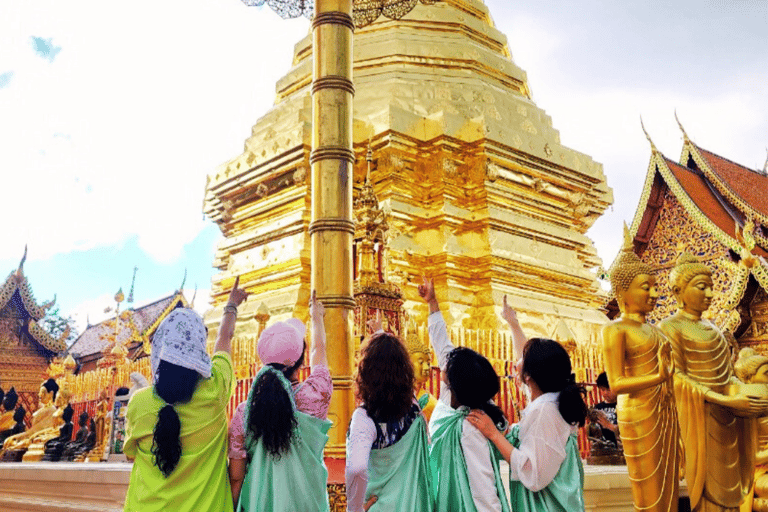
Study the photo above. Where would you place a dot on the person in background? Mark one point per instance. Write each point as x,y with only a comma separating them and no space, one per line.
176,430
545,471
465,475
607,418
277,436
387,447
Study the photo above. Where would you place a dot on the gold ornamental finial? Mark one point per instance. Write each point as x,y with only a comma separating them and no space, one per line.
653,146
119,296
680,125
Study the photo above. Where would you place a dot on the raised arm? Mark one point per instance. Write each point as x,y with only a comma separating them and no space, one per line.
614,350
438,332
518,336
227,326
317,356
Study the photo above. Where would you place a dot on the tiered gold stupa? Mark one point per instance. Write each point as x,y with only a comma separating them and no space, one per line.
480,192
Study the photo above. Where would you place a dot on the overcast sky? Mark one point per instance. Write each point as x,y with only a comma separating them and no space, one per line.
112,114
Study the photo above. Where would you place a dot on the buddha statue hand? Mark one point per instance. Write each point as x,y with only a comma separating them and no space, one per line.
747,406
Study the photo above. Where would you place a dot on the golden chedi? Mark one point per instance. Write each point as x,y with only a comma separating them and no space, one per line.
421,357
36,448
719,440
637,359
752,369
41,419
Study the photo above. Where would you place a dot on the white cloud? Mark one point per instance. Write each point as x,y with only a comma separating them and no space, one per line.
114,138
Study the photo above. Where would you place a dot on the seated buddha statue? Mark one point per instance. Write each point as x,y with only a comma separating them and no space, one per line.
9,408
637,359
82,434
716,414
55,447
18,426
752,368
36,447
421,359
90,442
41,419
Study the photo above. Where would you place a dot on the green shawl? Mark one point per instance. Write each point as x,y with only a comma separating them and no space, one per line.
449,468
298,480
564,494
399,474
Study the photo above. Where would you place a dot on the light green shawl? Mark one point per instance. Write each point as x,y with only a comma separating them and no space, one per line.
298,480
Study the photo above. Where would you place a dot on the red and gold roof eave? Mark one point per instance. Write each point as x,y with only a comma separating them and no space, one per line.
721,183
173,304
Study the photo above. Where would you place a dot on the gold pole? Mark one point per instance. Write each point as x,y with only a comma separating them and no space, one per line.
332,228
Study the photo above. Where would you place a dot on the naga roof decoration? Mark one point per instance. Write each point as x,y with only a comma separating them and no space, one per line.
137,325
724,199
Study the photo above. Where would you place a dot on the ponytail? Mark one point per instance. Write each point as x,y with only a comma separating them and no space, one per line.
175,384
548,364
271,416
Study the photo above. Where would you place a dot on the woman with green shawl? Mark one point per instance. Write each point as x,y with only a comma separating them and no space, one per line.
465,472
387,446
278,434
545,471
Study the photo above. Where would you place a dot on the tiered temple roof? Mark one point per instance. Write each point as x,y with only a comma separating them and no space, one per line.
135,331
26,348
714,208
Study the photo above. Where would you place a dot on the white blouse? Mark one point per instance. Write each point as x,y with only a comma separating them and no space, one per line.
543,436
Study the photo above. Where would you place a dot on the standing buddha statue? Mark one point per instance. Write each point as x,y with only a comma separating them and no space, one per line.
719,437
752,368
637,359
421,358
41,419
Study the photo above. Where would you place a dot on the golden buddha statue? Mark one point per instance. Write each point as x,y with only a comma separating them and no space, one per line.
421,358
36,447
714,412
101,428
752,368
41,419
637,359
9,402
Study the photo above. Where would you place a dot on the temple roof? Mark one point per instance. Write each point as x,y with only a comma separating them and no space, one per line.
16,295
742,186
136,325
717,194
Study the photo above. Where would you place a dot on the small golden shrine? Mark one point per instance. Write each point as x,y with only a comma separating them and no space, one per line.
26,348
373,291
715,209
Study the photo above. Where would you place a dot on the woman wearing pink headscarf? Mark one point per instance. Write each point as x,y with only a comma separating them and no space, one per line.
277,436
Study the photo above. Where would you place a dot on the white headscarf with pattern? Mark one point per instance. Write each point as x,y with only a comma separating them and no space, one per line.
180,339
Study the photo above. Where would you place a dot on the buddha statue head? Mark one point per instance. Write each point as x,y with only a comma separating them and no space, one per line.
82,420
420,357
751,367
68,413
691,283
48,391
18,415
63,397
633,282
10,400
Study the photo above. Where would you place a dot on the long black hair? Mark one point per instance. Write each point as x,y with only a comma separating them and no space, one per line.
271,416
548,364
174,385
474,382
